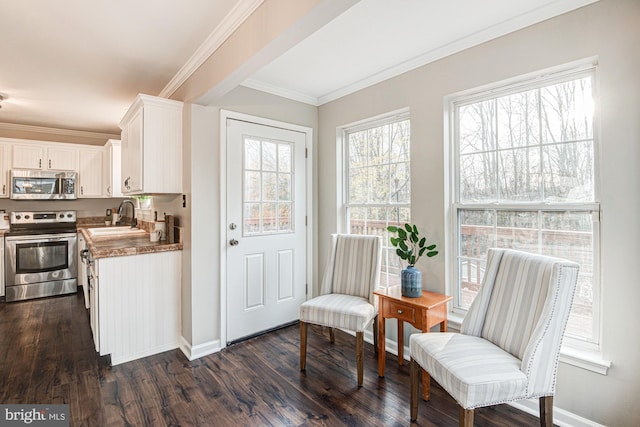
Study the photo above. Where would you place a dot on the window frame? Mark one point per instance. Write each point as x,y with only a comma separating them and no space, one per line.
342,138
452,104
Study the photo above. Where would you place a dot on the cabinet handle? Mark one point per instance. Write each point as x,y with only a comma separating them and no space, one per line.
49,163
400,311
4,188
40,163
109,190
81,189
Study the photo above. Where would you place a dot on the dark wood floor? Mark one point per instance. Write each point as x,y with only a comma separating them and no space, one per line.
47,356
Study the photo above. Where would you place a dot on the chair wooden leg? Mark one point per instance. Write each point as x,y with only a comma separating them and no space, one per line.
426,386
414,380
466,417
375,335
303,345
360,356
332,336
546,411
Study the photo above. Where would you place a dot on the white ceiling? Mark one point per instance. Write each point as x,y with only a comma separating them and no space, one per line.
78,64
378,39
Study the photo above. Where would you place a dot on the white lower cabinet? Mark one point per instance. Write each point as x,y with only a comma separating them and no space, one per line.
82,270
2,266
137,305
94,304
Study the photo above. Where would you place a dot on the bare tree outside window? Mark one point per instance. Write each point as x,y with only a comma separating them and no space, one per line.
526,180
378,181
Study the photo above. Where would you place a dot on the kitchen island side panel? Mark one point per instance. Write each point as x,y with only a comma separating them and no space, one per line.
139,299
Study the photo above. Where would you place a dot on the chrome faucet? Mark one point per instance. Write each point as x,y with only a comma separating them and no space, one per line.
134,221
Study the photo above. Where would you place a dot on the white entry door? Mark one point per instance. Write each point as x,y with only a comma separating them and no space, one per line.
266,235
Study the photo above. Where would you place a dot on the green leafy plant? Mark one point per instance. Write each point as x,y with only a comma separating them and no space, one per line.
409,246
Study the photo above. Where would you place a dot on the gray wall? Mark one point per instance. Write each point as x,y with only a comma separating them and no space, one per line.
201,259
610,30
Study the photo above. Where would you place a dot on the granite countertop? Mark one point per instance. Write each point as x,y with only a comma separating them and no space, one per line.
116,246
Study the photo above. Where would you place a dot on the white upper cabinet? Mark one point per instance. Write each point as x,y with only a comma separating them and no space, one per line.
111,169
27,157
90,173
4,170
152,146
62,158
35,156
131,154
98,168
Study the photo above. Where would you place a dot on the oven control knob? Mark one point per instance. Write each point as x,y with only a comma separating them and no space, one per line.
18,216
26,217
69,215
61,215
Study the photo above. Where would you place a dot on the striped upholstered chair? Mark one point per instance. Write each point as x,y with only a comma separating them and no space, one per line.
346,299
509,343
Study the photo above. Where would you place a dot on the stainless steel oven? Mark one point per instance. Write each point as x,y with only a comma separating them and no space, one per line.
40,255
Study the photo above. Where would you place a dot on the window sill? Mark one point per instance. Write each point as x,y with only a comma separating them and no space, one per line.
589,360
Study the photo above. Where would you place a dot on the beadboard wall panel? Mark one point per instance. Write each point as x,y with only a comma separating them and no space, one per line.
139,305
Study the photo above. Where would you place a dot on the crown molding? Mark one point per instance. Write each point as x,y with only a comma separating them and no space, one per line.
280,91
229,24
57,131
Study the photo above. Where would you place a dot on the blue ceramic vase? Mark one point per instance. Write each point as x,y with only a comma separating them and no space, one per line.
411,280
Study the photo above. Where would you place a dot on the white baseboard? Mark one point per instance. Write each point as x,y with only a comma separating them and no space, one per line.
561,417
200,350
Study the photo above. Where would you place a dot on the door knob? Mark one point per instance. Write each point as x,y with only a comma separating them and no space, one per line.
233,242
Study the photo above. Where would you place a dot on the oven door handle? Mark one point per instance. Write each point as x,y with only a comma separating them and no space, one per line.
47,237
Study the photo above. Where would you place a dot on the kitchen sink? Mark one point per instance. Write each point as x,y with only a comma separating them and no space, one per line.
114,231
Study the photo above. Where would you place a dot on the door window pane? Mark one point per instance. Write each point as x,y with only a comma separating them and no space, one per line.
268,180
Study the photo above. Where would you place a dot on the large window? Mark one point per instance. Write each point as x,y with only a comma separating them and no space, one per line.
377,182
525,178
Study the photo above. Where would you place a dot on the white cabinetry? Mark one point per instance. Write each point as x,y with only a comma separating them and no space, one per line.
2,265
152,146
98,167
82,269
94,304
137,308
33,156
4,169
111,169
90,174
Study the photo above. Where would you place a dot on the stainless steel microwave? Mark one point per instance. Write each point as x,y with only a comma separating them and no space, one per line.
43,185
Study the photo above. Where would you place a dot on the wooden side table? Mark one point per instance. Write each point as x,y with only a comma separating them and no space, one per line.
423,313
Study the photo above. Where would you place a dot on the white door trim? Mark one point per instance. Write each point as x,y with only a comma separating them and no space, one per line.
224,115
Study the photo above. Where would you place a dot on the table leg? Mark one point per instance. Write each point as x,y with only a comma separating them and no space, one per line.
400,342
443,325
382,354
